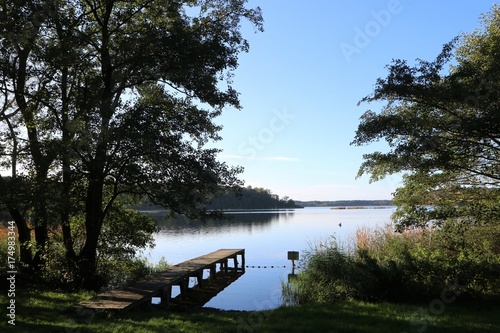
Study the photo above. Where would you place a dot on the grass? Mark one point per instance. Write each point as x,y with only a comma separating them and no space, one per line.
45,312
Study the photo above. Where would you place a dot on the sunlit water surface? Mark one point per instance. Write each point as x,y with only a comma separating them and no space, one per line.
266,236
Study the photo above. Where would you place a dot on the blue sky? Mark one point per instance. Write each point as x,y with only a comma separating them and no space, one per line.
302,79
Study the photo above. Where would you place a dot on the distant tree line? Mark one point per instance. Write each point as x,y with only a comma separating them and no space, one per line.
261,198
251,198
344,203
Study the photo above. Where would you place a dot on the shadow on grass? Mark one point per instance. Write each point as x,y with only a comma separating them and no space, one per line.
351,316
46,312
342,317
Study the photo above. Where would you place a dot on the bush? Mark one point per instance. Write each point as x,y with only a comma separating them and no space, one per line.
411,266
59,273
125,233
3,248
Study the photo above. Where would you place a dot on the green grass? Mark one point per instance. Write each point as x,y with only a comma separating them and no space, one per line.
44,312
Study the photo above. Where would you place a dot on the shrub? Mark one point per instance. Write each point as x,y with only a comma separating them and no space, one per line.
330,274
409,266
125,233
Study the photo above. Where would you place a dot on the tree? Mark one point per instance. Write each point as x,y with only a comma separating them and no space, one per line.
442,124
119,98
250,198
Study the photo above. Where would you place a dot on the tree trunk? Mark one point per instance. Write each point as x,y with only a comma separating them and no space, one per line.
40,161
66,170
93,225
41,214
24,236
23,231
66,211
41,237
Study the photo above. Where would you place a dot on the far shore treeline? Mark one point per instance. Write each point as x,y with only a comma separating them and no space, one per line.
344,203
261,198
240,198
251,198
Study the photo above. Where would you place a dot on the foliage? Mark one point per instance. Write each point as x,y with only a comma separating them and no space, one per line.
441,123
426,200
4,248
100,99
125,233
414,265
250,198
335,274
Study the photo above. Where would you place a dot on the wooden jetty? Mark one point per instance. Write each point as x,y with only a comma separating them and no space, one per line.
160,284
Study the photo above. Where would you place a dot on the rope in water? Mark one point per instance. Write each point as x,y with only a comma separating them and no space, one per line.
252,266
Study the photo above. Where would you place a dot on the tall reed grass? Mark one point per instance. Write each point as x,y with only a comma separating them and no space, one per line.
381,264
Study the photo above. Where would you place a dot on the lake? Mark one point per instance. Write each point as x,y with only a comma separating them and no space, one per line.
266,236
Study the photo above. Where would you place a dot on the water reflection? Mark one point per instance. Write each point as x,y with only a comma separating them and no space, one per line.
236,221
197,296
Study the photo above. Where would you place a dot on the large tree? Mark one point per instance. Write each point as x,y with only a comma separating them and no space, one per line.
116,98
441,120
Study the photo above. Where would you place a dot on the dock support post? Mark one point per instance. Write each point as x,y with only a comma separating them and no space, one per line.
199,277
243,261
213,270
183,286
166,294
235,264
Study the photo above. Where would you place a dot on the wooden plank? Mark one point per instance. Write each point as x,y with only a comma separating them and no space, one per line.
156,284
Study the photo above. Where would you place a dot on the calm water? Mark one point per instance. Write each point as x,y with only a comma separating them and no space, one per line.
266,236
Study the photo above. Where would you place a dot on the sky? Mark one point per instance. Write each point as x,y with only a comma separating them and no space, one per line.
303,77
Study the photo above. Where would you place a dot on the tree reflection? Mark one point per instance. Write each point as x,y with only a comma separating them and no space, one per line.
234,220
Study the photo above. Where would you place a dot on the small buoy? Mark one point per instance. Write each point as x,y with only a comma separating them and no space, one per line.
265,266
272,266
340,224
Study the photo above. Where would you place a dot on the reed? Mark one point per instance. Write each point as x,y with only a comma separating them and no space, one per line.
382,264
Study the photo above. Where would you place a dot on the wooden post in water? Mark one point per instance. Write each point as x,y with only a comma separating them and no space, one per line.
199,278
243,261
183,286
235,264
293,255
166,294
213,271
